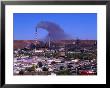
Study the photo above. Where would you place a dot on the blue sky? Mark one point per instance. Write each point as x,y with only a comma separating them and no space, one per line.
77,25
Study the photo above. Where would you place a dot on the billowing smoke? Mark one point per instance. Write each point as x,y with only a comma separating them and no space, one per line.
55,32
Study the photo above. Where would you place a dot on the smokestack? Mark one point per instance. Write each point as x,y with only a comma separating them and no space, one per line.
49,40
36,34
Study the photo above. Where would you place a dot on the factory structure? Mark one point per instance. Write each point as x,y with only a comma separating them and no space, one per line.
56,40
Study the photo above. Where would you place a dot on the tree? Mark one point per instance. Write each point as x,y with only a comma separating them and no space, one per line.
40,64
33,67
64,72
21,72
45,69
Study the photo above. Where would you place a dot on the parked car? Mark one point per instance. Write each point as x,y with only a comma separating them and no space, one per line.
86,72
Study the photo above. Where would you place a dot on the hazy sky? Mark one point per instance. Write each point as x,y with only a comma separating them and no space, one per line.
77,25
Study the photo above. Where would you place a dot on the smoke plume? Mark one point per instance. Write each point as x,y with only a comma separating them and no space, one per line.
55,32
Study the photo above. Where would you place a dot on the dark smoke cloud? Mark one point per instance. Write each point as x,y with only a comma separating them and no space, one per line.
55,32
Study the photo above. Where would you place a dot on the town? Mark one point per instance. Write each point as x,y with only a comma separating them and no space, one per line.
62,57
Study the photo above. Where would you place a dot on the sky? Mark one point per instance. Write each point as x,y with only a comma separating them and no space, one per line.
77,25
